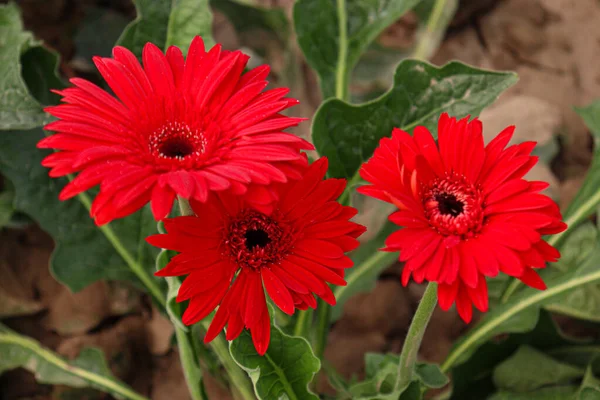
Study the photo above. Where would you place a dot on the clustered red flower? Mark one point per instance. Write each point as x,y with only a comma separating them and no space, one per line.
178,127
294,252
265,220
467,212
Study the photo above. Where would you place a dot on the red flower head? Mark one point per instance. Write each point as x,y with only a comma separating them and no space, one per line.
466,210
177,127
293,252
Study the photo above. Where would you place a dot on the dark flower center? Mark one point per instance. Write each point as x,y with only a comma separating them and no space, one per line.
257,240
256,237
453,206
448,204
176,141
176,147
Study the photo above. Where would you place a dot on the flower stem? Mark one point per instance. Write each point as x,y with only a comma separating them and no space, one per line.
55,361
323,314
135,266
189,363
303,323
190,360
424,46
237,378
412,343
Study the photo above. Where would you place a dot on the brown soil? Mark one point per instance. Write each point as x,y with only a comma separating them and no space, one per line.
552,44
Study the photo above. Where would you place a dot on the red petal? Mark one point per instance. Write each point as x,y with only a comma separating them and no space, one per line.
277,291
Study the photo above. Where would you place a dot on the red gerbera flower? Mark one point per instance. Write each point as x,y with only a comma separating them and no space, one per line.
293,251
466,210
177,127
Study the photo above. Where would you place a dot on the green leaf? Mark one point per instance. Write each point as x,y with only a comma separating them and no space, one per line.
431,375
380,385
18,109
590,387
334,34
40,72
150,25
529,369
553,393
168,23
381,373
522,311
412,392
188,19
82,254
349,134
588,198
368,264
89,369
473,379
286,369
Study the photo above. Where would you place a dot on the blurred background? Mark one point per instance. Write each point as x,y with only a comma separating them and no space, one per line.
553,45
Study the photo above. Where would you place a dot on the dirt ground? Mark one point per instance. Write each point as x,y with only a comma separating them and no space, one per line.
554,46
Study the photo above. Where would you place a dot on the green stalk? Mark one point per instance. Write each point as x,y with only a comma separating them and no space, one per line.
303,323
101,382
135,267
342,73
189,363
237,377
432,24
412,343
323,314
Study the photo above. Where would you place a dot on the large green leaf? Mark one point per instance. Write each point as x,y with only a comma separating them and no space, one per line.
188,19
166,23
529,369
87,370
18,109
349,134
286,369
522,311
334,34
83,254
